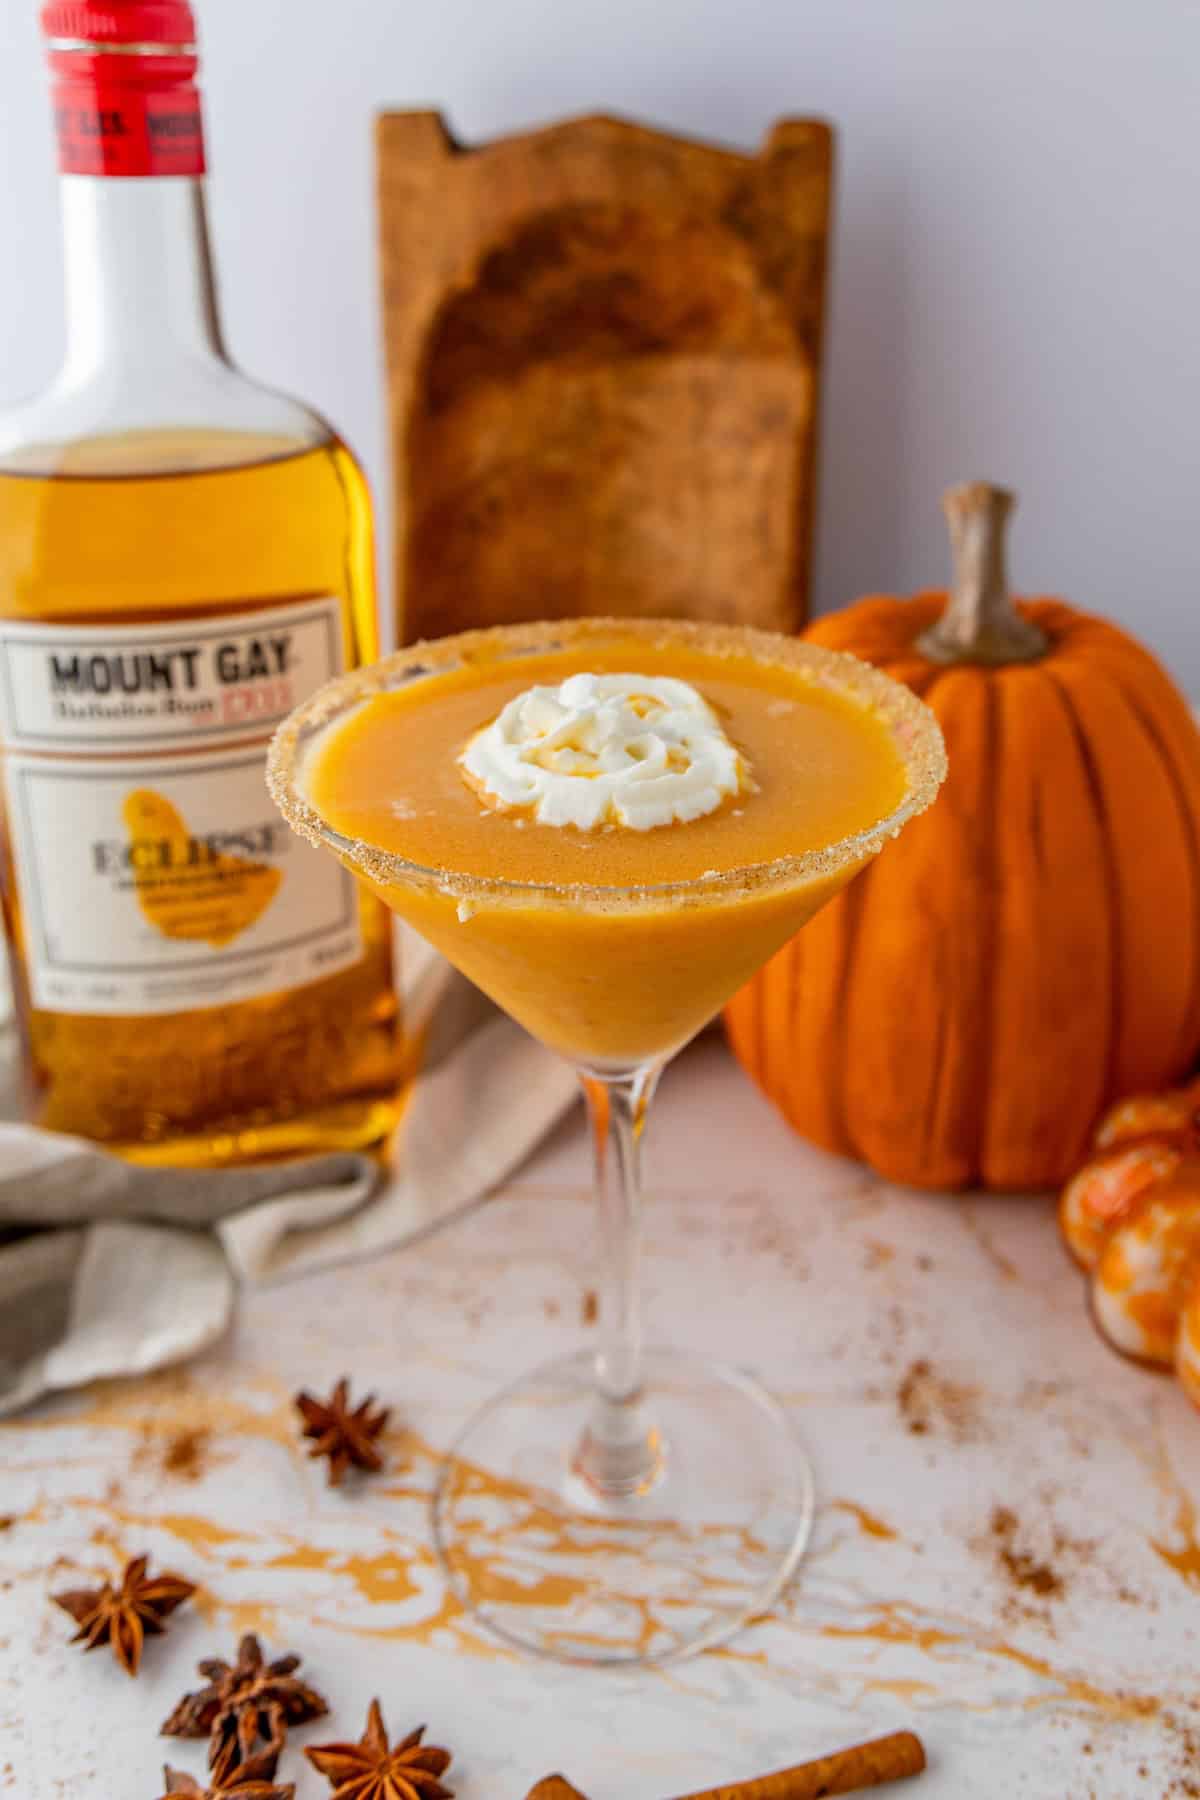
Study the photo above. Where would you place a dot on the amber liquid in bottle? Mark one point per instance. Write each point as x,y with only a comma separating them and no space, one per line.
158,529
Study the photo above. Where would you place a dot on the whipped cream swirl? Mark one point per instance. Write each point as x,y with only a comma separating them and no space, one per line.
632,750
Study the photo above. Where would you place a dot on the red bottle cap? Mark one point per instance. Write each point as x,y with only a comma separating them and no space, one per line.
125,99
119,21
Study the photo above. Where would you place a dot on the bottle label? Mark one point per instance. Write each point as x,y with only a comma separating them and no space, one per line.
125,130
109,688
162,879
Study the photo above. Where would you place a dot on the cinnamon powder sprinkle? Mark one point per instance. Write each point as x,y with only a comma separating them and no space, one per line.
1022,1568
185,1455
179,1455
930,1404
1185,1744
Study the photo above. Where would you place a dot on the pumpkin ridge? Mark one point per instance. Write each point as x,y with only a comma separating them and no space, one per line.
1052,932
852,912
1037,837
1157,905
884,1067
933,1114
1175,775
938,1102
1092,780
989,925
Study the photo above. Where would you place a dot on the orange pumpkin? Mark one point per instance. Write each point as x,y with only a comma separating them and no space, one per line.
1030,948
1131,1219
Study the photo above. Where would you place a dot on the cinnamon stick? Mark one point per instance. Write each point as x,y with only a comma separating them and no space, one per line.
884,1759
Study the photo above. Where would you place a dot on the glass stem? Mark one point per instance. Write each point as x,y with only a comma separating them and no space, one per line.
620,1453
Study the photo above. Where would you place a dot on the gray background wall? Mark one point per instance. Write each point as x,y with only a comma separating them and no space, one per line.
1017,262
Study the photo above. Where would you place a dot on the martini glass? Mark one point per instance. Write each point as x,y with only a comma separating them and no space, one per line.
627,1504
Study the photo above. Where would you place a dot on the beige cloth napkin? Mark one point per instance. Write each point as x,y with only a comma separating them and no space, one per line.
107,1269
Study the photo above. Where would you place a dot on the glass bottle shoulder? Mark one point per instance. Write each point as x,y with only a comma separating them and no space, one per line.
208,417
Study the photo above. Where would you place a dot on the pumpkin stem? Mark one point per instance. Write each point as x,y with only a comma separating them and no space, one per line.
980,623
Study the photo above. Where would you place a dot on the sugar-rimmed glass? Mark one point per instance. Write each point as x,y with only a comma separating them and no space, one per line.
627,1505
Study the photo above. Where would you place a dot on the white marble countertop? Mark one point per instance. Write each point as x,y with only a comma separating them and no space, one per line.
1006,1555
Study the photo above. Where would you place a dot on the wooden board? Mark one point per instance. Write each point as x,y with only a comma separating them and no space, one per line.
603,351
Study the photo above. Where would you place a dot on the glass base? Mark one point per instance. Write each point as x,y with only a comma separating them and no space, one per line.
551,1567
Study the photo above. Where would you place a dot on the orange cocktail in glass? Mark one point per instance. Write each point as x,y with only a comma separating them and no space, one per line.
609,826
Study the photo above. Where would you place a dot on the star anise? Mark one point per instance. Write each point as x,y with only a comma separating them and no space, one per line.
125,1616
255,1780
372,1770
345,1436
245,1705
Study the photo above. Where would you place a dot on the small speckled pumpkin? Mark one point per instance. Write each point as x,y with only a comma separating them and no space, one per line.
1131,1218
1030,949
